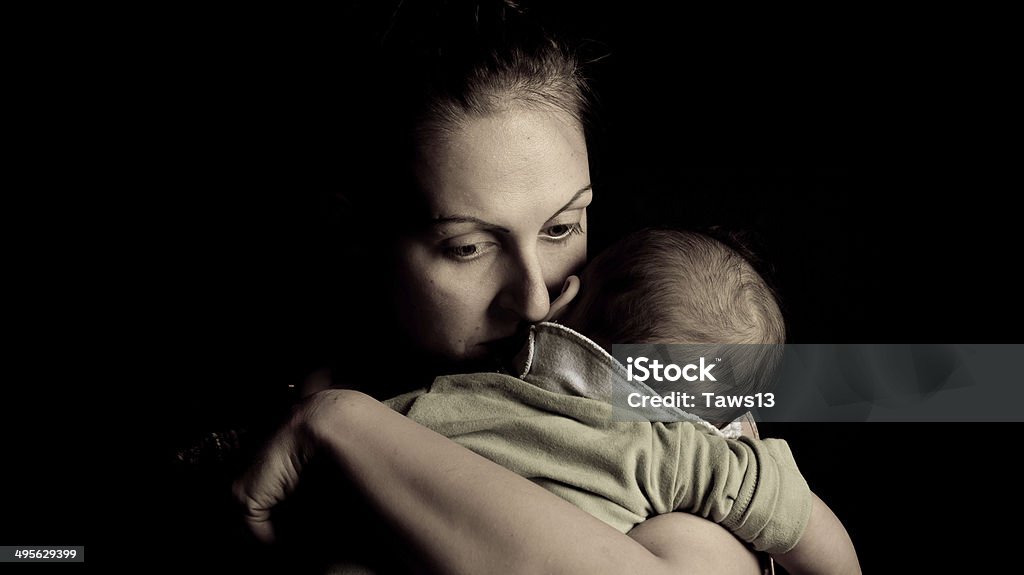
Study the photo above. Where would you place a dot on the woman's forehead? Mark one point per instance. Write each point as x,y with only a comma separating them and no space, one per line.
505,164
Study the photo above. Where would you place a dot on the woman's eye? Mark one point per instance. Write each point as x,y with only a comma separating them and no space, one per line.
562,231
464,251
467,252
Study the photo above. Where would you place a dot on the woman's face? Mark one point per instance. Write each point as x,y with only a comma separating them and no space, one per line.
507,197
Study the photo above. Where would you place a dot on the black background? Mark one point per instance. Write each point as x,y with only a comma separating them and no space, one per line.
856,146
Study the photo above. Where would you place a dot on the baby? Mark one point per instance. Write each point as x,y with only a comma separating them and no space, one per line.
554,425
674,287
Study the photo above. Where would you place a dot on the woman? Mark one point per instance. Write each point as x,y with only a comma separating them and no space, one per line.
492,221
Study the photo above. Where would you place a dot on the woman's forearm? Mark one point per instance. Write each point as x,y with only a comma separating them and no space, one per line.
467,514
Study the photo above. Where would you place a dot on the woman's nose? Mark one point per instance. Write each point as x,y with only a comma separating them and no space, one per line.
525,293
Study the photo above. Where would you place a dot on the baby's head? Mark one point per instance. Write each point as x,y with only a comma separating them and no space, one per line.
675,287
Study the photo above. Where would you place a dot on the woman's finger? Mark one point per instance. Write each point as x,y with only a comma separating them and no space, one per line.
270,481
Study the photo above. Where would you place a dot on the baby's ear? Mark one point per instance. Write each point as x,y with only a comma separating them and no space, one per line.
570,288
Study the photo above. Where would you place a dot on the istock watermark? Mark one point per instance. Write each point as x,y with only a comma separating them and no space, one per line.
820,382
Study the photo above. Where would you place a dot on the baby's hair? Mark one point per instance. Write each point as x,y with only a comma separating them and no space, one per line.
660,286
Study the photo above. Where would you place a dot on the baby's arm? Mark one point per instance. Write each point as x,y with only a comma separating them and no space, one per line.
824,548
754,489
751,487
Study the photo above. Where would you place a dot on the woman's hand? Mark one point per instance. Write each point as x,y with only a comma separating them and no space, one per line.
275,474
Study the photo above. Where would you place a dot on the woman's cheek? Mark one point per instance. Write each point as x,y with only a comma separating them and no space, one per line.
451,285
426,283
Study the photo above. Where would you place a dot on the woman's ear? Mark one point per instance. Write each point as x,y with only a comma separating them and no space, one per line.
570,288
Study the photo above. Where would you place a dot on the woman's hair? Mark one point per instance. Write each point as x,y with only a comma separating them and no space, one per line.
429,65
472,58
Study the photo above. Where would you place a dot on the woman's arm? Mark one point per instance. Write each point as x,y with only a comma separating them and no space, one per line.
692,544
464,513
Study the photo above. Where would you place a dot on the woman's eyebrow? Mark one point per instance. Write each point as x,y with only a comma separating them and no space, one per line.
575,197
459,219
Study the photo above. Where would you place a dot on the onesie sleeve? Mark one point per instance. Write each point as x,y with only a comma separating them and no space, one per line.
751,487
